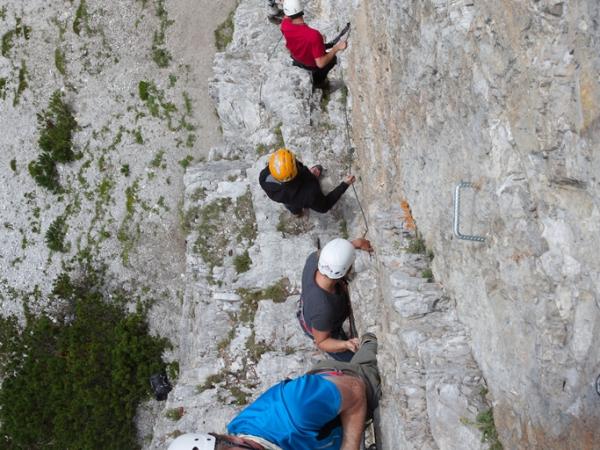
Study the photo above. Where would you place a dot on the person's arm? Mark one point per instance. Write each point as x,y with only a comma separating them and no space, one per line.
326,343
327,57
353,410
323,203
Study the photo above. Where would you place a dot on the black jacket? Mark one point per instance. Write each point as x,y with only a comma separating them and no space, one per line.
304,191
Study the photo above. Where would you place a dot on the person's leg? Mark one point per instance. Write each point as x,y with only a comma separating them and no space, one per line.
342,356
367,353
320,75
297,211
365,360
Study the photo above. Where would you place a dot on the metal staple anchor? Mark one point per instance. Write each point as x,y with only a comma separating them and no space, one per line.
457,233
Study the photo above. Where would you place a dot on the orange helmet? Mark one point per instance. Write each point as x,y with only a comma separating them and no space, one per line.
282,165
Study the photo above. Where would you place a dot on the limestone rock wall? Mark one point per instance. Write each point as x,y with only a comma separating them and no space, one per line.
504,94
237,339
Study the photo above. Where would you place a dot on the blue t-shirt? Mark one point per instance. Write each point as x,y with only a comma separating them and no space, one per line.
291,413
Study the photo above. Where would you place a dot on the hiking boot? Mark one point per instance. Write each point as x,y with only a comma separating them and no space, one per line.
368,337
317,170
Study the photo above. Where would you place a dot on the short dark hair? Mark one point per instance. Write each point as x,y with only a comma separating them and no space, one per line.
295,16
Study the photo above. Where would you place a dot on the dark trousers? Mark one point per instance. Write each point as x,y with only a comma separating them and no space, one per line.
293,209
363,364
318,75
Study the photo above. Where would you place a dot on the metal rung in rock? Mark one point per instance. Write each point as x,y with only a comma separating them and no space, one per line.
457,233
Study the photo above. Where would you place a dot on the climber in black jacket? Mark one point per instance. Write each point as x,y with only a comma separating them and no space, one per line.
286,180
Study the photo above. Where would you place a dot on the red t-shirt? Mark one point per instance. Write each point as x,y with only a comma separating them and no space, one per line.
304,43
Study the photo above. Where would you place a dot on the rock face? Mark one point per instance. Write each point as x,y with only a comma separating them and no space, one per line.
503,94
243,250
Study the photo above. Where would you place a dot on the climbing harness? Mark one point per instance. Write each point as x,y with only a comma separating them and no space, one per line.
457,233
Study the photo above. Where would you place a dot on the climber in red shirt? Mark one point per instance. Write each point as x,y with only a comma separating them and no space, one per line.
306,44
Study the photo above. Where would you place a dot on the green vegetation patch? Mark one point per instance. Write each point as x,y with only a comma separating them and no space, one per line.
81,20
57,126
20,31
261,149
242,262
55,235
13,165
158,160
187,103
155,101
216,229
59,61
160,55
7,43
277,292
280,142
344,229
325,99
22,83
129,232
185,162
428,274
224,32
213,233
211,382
175,414
244,213
3,82
290,225
484,422
417,245
75,379
255,349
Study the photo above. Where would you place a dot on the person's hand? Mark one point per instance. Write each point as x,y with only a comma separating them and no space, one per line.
362,244
341,46
352,344
349,179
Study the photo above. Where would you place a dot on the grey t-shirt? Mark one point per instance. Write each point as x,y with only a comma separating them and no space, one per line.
322,310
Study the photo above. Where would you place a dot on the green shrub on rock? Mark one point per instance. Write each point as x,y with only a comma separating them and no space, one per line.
57,126
74,380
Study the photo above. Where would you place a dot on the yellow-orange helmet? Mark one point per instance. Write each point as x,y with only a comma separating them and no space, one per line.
282,165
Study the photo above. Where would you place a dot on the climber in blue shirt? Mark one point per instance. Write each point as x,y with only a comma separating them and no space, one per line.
324,409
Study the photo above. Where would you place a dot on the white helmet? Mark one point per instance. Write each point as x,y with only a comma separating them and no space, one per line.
194,441
336,258
291,7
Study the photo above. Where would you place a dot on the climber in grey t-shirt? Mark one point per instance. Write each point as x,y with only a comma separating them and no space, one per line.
324,300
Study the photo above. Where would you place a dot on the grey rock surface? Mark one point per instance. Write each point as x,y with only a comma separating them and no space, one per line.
503,94
429,93
432,386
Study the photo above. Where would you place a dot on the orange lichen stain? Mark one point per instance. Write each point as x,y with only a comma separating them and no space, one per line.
409,221
518,257
589,95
